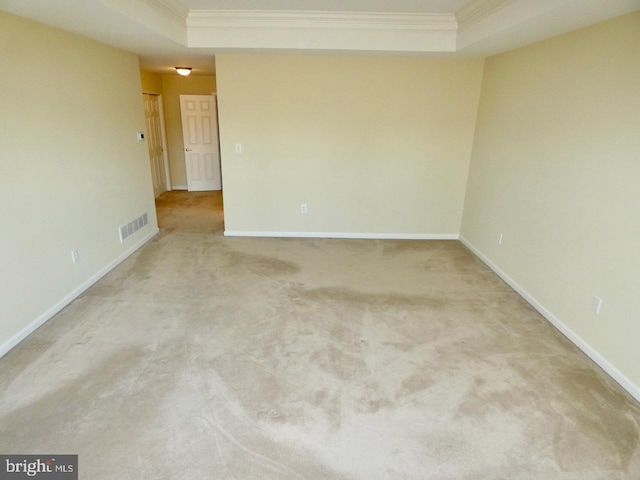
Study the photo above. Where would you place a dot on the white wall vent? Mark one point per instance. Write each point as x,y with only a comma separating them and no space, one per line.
133,226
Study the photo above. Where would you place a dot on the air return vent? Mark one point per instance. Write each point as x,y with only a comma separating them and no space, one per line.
132,227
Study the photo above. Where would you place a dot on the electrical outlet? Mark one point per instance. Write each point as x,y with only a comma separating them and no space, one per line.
75,256
500,237
303,208
596,305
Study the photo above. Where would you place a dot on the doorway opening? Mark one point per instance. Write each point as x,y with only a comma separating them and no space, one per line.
198,205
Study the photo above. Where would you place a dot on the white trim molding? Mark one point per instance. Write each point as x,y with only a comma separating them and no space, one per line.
478,10
171,8
71,296
578,341
165,148
329,20
371,236
337,31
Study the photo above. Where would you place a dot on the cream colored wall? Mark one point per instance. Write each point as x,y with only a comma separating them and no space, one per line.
556,168
151,82
173,85
71,171
373,145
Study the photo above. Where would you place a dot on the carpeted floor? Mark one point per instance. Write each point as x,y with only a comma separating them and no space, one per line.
205,357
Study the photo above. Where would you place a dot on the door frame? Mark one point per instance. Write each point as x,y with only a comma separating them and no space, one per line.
165,150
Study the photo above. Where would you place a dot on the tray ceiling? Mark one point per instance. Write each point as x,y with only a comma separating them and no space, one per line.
165,33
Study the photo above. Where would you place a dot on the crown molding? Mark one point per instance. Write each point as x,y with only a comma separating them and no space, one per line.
337,20
478,10
170,8
341,31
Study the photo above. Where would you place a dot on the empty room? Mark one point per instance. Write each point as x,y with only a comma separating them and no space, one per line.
286,239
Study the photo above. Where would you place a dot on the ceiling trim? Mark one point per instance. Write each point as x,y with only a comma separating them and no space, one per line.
337,20
172,8
478,10
340,31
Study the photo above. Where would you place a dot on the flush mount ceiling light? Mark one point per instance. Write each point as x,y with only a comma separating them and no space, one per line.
184,71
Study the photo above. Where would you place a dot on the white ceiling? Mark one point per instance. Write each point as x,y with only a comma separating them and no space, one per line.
167,33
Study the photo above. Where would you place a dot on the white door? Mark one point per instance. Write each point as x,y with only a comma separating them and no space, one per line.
201,148
154,142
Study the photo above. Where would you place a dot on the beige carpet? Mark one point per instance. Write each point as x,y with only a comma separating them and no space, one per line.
205,357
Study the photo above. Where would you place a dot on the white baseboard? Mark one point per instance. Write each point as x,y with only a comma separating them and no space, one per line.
71,296
578,341
179,187
379,236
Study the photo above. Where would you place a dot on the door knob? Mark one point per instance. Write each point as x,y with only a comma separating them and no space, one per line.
188,149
